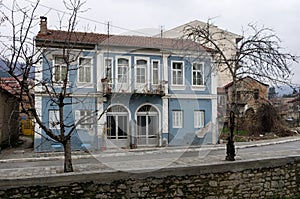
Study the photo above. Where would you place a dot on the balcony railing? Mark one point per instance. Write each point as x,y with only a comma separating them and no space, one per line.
110,88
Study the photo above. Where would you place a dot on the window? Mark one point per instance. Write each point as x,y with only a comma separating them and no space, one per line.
84,72
155,72
177,119
84,115
108,68
256,94
117,123
141,66
123,65
54,119
221,100
60,69
198,119
198,74
177,72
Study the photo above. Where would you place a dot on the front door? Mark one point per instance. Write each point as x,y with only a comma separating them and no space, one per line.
147,126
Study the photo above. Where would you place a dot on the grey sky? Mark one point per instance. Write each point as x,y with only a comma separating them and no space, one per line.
283,16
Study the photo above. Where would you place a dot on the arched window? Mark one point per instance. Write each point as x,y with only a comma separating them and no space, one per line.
117,122
147,125
123,66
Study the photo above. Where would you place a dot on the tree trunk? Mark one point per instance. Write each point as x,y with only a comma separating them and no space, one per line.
68,167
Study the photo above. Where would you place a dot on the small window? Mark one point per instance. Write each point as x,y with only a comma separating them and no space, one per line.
108,68
155,72
84,71
122,73
177,73
54,119
256,94
141,66
198,79
198,119
177,117
59,69
86,117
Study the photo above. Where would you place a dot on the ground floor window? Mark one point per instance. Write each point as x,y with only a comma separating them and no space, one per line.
177,117
199,119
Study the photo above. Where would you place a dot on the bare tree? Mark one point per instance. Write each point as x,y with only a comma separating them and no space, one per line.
258,53
21,58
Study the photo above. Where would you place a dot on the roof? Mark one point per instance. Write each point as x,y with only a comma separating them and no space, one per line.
180,29
89,40
10,85
242,79
296,99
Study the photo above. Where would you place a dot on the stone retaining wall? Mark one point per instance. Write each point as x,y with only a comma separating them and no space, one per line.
268,178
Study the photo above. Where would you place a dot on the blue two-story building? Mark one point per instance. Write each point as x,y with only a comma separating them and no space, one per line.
143,91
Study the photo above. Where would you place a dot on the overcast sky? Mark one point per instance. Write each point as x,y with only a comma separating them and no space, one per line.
281,15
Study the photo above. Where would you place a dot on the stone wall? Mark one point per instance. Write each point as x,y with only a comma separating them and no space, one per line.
268,178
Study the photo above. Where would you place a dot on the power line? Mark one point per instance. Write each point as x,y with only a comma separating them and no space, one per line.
87,19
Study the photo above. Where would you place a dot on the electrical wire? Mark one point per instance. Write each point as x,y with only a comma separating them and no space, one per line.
87,19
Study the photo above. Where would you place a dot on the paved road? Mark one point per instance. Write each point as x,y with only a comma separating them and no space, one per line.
145,159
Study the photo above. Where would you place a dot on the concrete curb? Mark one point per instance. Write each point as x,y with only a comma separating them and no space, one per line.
154,150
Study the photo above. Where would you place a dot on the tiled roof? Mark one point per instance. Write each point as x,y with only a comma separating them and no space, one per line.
242,79
56,36
78,37
10,85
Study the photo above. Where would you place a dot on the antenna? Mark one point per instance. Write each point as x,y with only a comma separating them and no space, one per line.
162,54
107,55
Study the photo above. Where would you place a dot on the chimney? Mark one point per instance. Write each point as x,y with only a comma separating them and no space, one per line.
43,25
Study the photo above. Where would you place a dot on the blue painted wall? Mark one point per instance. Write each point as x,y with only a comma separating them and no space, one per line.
186,135
188,75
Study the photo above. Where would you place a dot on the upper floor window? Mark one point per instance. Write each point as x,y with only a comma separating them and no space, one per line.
60,69
198,74
155,72
84,72
122,73
177,73
141,67
108,68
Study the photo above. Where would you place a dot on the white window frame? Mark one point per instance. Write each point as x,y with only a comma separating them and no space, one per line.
63,65
182,72
53,117
201,71
158,72
106,68
178,86
144,86
87,124
84,68
199,116
116,115
141,67
127,70
177,119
